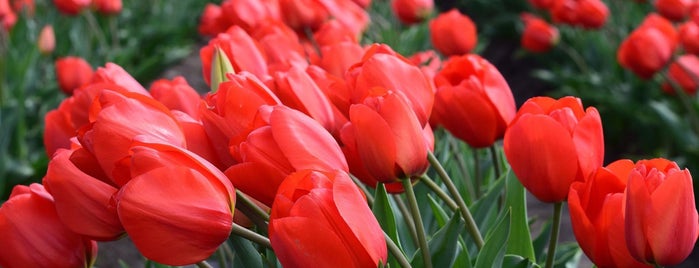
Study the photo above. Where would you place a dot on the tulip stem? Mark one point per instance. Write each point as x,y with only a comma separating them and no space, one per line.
551,254
250,235
496,163
362,187
396,251
204,264
227,249
468,181
465,213
96,31
251,205
417,218
438,190
408,220
222,256
477,172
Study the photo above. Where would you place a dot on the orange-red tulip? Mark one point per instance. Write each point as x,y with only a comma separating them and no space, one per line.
303,14
72,73
71,7
473,100
689,37
281,45
320,219
676,10
244,53
107,7
565,11
32,235
552,143
648,48
212,21
538,35
177,94
453,33
177,208
597,215
113,73
249,14
47,40
592,14
412,11
684,71
661,216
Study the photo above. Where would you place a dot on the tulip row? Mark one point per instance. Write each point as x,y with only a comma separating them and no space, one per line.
271,152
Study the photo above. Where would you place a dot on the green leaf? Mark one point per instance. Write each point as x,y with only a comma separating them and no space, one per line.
439,214
515,261
567,255
541,241
520,242
247,253
485,209
463,260
493,252
384,215
443,246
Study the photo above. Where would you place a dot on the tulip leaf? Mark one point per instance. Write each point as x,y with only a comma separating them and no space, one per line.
515,261
485,210
384,215
541,241
439,214
567,255
493,252
247,254
443,246
463,260
520,242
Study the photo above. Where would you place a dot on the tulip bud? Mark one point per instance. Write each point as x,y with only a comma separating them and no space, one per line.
689,37
661,216
648,48
47,40
676,10
453,33
220,66
539,35
71,7
107,7
412,11
685,72
72,73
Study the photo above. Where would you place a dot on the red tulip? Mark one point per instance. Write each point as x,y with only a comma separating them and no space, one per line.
72,73
473,100
244,53
108,7
428,61
412,11
332,32
212,21
292,141
453,33
689,37
661,216
684,71
32,234
82,201
648,48
349,14
592,14
565,11
388,138
177,94
676,10
281,45
71,7
538,35
320,219
542,4
552,143
20,6
177,208
249,14
597,215
113,73
47,40
8,18
303,14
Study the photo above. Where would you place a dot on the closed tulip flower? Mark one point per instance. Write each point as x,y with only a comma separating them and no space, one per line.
552,143
676,10
177,208
212,21
412,11
107,7
597,215
249,14
538,35
320,219
71,7
592,14
177,94
244,53
453,33
661,216
47,40
689,37
473,100
683,72
50,244
72,73
113,73
648,48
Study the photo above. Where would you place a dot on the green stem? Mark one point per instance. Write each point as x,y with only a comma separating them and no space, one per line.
465,213
396,252
251,205
229,252
468,181
250,235
438,190
477,172
551,254
221,257
96,30
576,57
204,264
408,220
684,99
362,187
496,163
417,218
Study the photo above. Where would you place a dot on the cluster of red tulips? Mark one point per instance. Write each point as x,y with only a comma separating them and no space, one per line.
297,108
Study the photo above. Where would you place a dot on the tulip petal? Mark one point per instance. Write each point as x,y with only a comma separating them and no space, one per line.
637,210
257,180
407,133
542,155
376,149
589,142
298,248
467,114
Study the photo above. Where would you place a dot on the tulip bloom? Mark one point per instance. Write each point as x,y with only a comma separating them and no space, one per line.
107,7
113,73
177,94
683,71
552,143
592,14
648,48
244,53
178,208
51,244
412,11
597,215
71,7
453,33
47,40
542,4
473,100
249,14
320,219
689,37
538,35
72,73
676,10
388,138
661,216
212,21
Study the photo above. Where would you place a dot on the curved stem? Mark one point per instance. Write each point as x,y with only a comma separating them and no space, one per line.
96,30
477,173
465,213
396,252
362,187
551,254
419,227
496,163
438,190
251,205
204,264
250,235
408,220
